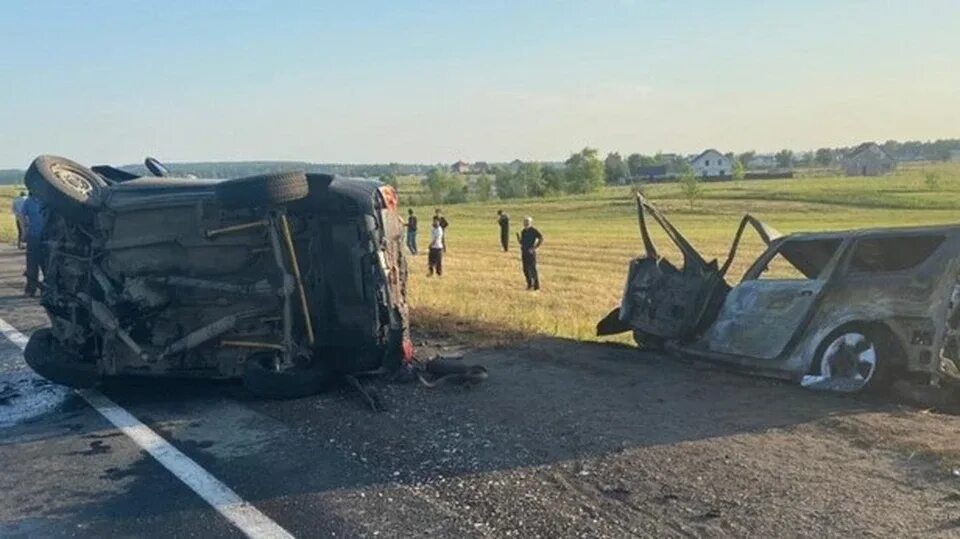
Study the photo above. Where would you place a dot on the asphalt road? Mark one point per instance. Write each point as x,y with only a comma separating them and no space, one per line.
565,439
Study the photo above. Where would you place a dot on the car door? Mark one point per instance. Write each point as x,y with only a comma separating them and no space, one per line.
761,315
661,299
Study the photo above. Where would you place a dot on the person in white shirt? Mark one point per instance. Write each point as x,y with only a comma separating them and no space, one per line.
435,257
18,215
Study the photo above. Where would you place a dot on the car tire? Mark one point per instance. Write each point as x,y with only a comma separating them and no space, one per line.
872,349
47,357
292,383
69,188
262,190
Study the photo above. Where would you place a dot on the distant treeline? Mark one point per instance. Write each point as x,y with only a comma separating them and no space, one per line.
913,150
11,176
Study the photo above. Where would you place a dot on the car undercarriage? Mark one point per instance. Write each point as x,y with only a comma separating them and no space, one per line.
281,279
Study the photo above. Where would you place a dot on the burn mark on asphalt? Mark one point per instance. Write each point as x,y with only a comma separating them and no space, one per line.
97,447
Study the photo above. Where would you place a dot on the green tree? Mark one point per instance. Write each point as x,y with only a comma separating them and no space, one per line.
484,188
390,179
438,183
680,165
784,158
739,171
615,169
634,162
824,157
507,184
456,190
584,171
746,157
553,180
530,177
690,187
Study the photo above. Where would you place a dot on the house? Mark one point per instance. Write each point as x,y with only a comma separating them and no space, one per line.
762,162
868,159
711,163
515,165
460,167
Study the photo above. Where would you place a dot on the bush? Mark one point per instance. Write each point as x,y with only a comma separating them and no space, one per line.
932,181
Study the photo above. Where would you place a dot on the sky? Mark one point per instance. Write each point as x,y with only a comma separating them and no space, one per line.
430,82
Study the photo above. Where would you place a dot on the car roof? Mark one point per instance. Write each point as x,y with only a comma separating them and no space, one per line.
942,230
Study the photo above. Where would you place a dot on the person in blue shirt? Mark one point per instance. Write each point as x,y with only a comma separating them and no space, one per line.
35,219
18,215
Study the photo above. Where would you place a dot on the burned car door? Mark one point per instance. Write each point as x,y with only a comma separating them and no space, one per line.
660,300
762,314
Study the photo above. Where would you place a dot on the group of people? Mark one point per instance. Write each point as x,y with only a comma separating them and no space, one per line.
438,241
30,215
529,239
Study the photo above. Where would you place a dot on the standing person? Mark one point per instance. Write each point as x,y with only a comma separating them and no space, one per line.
435,257
443,224
411,225
35,219
530,240
504,221
18,216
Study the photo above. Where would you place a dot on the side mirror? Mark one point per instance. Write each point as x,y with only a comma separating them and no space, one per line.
156,167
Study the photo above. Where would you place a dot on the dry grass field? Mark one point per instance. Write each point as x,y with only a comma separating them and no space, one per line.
590,239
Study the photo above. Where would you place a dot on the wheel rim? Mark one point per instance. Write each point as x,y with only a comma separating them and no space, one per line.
73,180
851,357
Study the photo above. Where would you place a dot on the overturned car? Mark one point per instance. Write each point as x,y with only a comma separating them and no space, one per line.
282,279
844,311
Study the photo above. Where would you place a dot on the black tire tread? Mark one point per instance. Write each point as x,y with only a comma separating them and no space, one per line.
48,359
263,190
42,182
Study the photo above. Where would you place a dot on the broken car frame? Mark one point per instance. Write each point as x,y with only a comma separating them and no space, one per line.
859,309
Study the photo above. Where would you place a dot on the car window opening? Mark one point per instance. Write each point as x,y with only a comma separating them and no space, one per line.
800,259
876,255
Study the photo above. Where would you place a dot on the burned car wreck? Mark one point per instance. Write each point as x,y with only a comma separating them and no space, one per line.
283,280
844,311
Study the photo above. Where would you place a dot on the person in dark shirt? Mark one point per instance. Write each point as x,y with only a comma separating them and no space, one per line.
530,240
443,224
504,221
411,225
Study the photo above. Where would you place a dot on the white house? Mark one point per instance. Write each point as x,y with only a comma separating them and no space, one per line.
711,163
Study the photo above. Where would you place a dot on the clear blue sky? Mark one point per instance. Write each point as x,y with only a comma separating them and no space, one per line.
417,81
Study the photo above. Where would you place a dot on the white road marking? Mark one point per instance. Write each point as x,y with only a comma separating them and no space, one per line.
242,514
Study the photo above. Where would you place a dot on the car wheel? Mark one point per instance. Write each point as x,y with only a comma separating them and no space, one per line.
47,357
853,358
262,190
262,380
69,188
